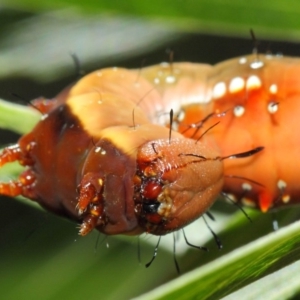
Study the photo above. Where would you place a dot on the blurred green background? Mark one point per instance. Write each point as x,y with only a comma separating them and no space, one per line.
41,255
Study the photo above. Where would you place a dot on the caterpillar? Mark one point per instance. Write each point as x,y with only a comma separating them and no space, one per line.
102,153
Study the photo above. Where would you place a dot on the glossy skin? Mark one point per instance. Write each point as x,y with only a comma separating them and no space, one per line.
255,100
97,157
260,96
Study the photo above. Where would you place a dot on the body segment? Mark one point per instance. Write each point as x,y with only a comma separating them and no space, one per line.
260,95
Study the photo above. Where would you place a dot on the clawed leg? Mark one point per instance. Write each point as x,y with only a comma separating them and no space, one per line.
14,153
10,154
12,188
90,203
90,199
24,184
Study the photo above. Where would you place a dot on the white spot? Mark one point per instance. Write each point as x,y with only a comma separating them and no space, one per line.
272,107
137,84
286,198
219,90
281,184
273,89
80,212
100,150
165,206
269,56
115,68
243,60
256,64
231,197
253,82
181,115
164,65
156,80
246,186
248,202
44,117
236,85
275,225
175,126
170,79
99,73
239,110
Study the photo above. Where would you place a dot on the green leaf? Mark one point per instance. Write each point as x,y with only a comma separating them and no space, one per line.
232,271
270,17
18,118
57,35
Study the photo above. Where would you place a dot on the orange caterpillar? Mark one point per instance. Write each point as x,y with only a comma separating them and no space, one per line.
103,155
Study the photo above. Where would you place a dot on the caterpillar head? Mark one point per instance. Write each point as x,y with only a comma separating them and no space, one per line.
155,186
176,182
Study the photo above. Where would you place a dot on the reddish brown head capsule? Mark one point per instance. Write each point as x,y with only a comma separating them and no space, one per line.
186,186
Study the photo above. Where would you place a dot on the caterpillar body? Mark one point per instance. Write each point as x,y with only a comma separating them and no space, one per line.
103,153
260,96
